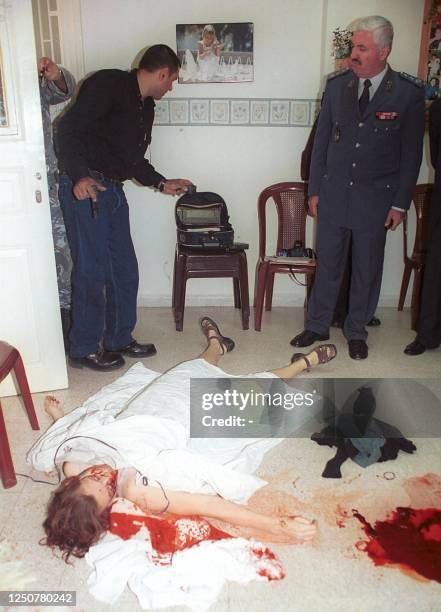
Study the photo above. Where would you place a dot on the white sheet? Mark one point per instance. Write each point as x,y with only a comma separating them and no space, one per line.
152,435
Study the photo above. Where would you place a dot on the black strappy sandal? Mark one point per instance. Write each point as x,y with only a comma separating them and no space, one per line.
325,353
208,324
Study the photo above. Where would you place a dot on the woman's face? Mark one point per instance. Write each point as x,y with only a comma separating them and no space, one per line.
99,481
208,37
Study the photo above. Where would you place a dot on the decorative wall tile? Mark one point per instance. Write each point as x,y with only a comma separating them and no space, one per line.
299,113
240,112
220,112
162,115
259,112
178,111
199,111
279,114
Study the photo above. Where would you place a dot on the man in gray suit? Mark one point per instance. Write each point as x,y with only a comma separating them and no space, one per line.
365,162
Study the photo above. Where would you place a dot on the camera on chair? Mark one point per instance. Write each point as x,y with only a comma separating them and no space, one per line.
298,250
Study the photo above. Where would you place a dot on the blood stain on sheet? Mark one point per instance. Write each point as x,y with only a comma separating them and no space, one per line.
167,535
170,535
409,538
271,569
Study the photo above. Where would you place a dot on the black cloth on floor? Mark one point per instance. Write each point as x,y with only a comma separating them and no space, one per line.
361,425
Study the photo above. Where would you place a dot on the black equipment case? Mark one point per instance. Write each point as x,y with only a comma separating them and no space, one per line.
202,221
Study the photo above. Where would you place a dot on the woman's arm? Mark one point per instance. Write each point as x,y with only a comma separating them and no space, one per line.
285,529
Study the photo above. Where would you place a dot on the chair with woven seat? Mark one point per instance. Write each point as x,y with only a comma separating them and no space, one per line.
290,200
10,359
421,200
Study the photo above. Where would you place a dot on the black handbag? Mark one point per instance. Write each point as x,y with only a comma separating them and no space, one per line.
202,221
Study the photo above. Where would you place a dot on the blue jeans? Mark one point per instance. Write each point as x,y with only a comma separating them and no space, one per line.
105,270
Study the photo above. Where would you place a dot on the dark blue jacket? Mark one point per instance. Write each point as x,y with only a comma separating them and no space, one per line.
363,165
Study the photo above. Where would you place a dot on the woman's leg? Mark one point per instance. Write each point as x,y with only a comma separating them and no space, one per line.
214,349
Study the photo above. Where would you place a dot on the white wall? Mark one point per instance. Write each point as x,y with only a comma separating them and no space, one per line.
291,55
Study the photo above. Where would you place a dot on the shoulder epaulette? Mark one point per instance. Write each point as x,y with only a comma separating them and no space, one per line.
337,73
412,79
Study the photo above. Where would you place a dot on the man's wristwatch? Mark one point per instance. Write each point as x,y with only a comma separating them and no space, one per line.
160,186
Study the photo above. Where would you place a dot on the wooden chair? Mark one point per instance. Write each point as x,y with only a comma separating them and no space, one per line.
421,199
290,200
10,359
210,263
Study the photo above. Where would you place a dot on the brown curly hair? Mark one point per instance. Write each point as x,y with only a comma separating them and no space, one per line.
73,521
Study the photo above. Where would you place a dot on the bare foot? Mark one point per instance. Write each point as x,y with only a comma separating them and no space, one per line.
53,408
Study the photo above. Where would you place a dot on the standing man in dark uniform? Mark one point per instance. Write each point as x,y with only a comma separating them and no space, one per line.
102,141
429,325
365,162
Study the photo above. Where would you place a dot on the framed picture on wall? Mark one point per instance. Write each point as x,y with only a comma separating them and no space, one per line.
429,68
215,52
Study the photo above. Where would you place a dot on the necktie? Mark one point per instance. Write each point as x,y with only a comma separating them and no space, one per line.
364,98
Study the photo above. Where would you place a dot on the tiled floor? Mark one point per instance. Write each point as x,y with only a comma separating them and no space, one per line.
333,574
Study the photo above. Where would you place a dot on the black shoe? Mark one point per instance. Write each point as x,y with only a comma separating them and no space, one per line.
358,349
134,349
65,325
374,322
101,360
415,348
307,337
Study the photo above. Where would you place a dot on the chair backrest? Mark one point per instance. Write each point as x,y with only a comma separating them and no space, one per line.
291,204
421,199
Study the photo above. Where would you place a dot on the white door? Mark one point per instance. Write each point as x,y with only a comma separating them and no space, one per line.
29,307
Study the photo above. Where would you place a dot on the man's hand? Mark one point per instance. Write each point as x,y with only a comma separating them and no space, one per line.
86,188
49,69
176,187
313,205
393,219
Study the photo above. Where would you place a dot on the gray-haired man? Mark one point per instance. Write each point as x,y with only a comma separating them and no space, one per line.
365,162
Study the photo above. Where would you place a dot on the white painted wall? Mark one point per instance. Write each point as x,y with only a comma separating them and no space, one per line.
291,54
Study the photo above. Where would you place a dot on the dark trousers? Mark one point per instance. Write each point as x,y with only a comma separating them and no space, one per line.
429,325
105,269
367,255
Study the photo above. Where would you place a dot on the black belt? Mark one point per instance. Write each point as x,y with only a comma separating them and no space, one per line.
100,176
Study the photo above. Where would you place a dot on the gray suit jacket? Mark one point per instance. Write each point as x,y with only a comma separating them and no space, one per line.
363,165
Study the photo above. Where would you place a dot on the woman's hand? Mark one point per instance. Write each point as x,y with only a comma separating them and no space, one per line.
294,529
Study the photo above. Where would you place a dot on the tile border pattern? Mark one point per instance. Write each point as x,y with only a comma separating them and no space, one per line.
252,112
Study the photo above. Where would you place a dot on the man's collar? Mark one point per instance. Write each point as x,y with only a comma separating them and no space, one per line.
135,86
376,80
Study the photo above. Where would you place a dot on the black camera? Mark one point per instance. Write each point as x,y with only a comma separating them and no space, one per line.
298,250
